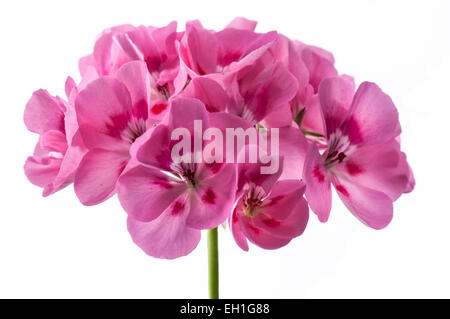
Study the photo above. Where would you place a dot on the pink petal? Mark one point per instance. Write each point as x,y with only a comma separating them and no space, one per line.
259,236
285,51
251,172
284,196
184,111
96,177
242,24
167,236
69,164
318,188
103,112
69,86
202,49
154,150
145,192
411,182
213,198
319,64
209,92
293,147
41,171
236,231
371,207
380,167
292,226
271,94
235,44
372,118
53,141
136,78
313,117
335,95
281,117
108,55
44,112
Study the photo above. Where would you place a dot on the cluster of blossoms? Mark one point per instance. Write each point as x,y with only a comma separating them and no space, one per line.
113,135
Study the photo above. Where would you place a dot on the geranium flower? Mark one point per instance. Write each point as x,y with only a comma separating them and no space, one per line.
112,112
269,212
60,147
169,202
362,158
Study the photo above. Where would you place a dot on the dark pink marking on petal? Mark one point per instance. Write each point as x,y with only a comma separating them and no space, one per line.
159,107
162,183
140,109
122,166
253,229
271,222
209,197
318,174
214,167
153,63
177,208
353,169
234,218
351,128
341,189
118,123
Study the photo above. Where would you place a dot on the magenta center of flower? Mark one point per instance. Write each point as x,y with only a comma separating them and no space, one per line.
186,172
253,200
339,147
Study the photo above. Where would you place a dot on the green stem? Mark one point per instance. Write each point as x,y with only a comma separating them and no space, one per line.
213,264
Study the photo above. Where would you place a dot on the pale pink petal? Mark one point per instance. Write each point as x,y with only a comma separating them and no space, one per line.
53,141
136,78
235,44
251,172
292,226
202,49
335,96
411,182
41,171
69,86
184,111
242,24
236,231
371,207
145,192
319,65
209,92
318,186
312,120
280,117
282,199
293,147
154,149
69,165
381,167
97,174
108,54
372,118
259,236
167,236
44,112
103,112
213,198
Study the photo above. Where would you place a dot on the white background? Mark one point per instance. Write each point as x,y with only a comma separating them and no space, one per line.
55,247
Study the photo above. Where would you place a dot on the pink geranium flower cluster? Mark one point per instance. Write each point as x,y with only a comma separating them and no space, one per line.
112,135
